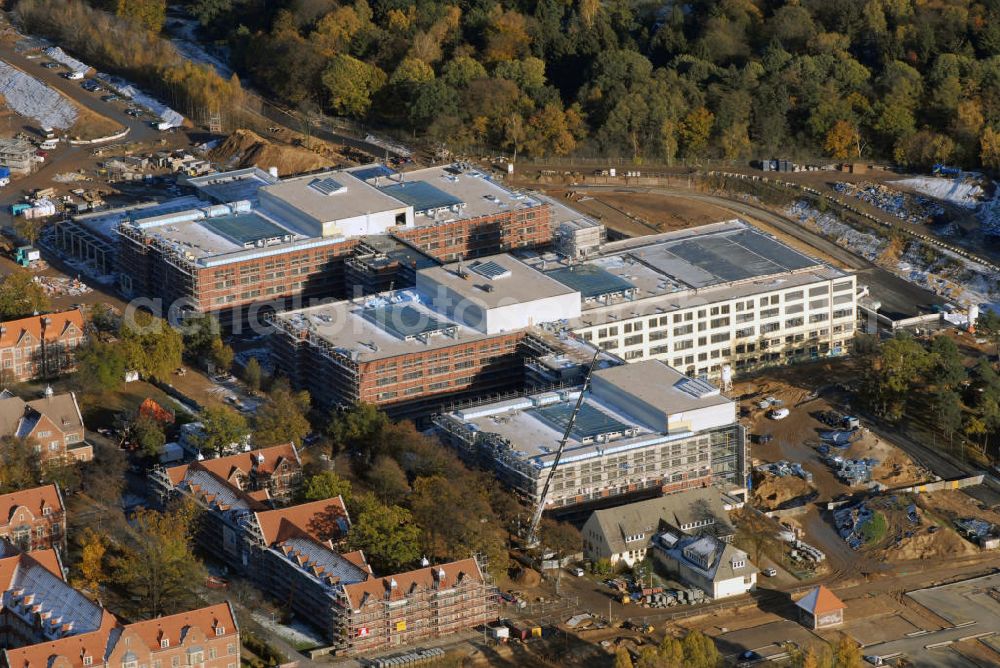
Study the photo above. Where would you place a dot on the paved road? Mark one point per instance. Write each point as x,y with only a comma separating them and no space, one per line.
66,157
139,129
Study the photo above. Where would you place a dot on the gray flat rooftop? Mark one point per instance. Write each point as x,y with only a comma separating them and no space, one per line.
103,223
725,257
396,251
662,386
239,184
213,237
245,228
512,280
479,193
318,196
665,281
355,331
421,195
591,280
529,426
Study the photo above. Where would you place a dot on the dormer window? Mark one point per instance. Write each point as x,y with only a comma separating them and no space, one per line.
88,660
739,563
220,630
46,511
164,643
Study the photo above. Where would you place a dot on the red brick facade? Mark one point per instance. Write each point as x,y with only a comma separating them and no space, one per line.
485,235
33,519
403,383
40,346
149,271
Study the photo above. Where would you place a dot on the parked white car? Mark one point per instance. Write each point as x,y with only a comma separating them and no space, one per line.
778,414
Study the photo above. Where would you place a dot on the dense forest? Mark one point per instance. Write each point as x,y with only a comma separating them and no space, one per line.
915,81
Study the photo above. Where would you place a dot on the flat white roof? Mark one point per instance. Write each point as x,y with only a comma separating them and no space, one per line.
497,280
361,331
479,193
332,195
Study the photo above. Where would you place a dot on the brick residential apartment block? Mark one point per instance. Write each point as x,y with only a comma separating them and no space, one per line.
40,346
413,607
33,519
461,331
52,425
291,553
249,238
46,624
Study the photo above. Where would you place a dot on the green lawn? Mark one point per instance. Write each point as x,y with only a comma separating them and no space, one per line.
875,529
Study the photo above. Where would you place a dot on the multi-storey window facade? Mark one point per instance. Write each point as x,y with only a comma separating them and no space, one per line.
748,332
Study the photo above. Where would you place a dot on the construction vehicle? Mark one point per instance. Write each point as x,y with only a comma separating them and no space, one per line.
536,518
25,255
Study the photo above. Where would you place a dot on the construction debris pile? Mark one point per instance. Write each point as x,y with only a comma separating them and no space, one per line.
784,469
70,177
653,597
915,209
851,521
55,286
866,245
852,471
980,532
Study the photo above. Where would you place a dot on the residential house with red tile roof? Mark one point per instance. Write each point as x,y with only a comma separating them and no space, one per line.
34,519
291,554
275,471
40,346
53,425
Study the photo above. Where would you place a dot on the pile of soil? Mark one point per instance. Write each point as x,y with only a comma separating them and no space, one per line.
772,492
923,544
245,148
527,577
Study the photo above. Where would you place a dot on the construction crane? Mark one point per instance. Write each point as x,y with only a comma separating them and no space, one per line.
536,517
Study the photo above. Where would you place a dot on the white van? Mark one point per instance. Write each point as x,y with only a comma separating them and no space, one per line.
75,75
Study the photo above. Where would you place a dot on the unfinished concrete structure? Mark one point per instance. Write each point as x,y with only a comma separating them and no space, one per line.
641,427
17,154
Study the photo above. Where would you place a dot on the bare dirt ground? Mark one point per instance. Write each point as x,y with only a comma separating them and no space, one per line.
90,125
795,438
641,213
954,504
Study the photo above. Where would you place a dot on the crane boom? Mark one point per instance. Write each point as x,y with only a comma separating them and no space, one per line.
536,517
